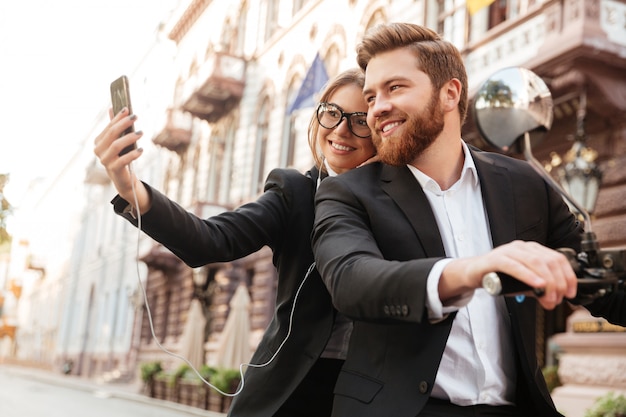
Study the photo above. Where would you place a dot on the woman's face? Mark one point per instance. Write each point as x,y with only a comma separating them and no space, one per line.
342,149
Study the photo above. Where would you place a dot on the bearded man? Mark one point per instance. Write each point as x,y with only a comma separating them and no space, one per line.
403,246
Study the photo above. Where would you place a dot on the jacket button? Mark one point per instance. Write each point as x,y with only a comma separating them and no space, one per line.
405,310
386,310
423,387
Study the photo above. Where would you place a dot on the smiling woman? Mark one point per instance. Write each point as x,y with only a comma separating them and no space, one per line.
58,60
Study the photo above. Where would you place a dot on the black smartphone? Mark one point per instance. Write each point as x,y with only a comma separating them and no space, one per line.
120,98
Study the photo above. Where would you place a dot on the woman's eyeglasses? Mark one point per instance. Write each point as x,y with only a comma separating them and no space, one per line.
330,115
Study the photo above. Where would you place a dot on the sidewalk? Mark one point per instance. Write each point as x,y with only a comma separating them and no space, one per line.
127,391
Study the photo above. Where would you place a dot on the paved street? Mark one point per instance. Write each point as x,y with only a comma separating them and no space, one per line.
29,392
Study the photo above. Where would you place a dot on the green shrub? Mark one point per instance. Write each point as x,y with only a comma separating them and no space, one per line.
207,372
226,380
179,373
149,370
608,405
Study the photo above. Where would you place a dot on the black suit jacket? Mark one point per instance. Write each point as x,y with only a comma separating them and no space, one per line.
281,218
375,240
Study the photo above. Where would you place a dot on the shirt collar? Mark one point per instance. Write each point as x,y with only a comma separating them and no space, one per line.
469,167
468,172
330,171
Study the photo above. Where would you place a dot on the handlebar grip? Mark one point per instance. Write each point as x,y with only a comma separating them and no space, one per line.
503,284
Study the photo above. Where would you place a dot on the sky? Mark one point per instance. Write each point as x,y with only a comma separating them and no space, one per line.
57,59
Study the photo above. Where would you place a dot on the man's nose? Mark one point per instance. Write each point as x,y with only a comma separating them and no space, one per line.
381,106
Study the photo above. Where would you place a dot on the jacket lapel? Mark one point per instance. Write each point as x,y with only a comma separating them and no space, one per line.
497,193
400,184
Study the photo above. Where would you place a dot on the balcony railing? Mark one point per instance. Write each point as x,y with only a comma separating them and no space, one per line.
217,87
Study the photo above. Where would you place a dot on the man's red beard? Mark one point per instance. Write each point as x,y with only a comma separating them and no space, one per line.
421,131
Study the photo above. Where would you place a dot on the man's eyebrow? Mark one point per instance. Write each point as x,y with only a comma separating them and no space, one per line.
390,80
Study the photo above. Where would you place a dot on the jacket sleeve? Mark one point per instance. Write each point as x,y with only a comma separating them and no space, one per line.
363,284
226,236
611,307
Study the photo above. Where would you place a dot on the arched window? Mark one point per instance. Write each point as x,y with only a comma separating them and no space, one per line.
377,18
332,60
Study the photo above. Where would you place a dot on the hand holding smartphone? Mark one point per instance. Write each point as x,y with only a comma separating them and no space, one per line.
120,98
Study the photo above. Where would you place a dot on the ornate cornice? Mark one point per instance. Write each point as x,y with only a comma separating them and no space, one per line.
187,20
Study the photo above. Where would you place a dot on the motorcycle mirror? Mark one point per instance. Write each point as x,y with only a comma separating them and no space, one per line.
511,102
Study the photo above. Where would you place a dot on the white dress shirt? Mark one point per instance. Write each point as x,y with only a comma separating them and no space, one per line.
478,364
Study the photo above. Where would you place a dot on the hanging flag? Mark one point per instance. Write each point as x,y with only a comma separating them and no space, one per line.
475,5
315,78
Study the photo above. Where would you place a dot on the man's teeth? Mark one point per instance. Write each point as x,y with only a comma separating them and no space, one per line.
390,126
340,147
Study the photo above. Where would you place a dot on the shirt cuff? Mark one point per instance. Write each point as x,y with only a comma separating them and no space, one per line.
129,209
121,206
436,310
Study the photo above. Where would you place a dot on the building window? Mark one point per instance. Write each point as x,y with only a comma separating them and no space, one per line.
212,163
241,27
196,179
271,18
228,39
498,11
288,148
451,21
501,10
332,60
260,152
233,32
297,5
217,147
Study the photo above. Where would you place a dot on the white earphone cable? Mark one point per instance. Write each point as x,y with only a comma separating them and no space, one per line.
149,313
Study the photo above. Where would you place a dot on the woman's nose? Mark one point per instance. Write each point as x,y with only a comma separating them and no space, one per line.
342,127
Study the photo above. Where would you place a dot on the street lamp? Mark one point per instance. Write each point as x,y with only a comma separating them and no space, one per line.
580,176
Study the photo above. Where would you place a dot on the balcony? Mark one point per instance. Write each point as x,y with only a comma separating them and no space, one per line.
582,30
175,134
217,88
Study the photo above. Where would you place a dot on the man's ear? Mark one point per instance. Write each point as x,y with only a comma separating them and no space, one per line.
451,94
